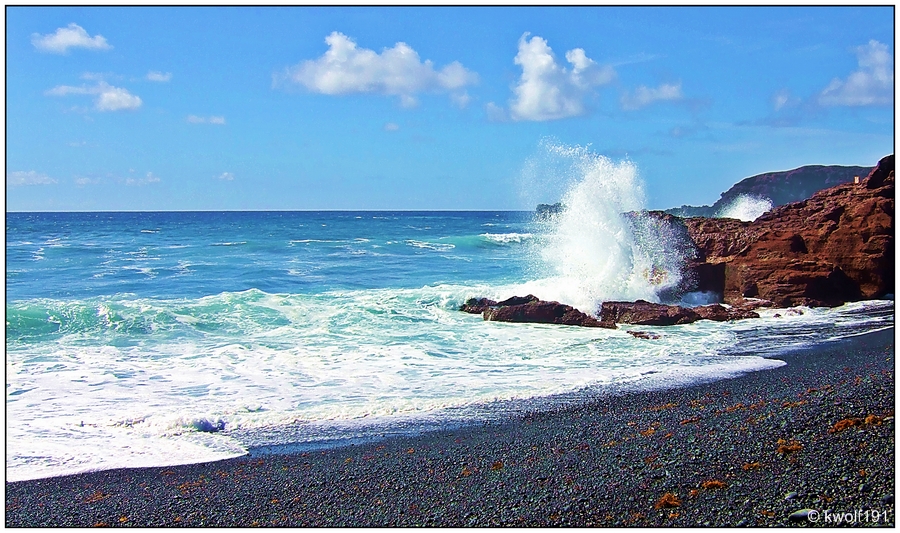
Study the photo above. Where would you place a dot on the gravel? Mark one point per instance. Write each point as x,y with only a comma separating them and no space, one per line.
725,453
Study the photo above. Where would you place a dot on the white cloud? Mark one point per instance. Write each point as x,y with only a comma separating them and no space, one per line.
398,71
781,99
159,76
148,179
390,126
109,98
872,84
226,176
495,113
31,177
548,91
461,99
72,36
644,96
116,99
81,182
218,120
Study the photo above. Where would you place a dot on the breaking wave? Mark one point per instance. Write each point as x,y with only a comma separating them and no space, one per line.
602,245
746,208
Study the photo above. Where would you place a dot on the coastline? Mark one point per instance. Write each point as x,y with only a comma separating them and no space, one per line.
605,462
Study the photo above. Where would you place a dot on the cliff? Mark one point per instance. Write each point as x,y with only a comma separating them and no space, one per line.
834,247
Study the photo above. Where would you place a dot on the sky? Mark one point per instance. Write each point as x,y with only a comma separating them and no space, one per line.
445,108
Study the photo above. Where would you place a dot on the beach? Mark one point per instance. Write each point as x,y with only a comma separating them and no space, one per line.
811,442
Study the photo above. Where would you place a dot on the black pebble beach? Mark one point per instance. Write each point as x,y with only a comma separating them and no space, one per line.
801,445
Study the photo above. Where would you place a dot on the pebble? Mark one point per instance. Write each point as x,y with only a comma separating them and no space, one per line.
790,495
887,499
799,516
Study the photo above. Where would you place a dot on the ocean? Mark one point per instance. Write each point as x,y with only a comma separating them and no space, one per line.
159,338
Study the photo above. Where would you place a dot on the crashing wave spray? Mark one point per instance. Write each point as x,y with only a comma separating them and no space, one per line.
602,246
746,208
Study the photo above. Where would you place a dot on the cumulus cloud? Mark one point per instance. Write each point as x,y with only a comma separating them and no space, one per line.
109,98
116,99
548,91
73,36
159,76
226,176
31,177
644,96
218,120
871,84
346,68
390,126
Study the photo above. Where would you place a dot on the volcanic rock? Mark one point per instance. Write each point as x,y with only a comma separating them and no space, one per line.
643,335
834,247
646,313
476,306
531,309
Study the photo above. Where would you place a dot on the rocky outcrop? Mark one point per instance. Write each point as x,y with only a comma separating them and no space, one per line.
543,211
532,309
646,313
643,335
834,247
837,246
476,306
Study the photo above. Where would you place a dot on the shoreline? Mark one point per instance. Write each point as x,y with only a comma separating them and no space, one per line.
606,461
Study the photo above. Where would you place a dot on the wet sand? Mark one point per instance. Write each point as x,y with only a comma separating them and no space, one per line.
765,449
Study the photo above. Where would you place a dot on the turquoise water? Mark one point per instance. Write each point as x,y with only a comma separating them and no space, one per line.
147,339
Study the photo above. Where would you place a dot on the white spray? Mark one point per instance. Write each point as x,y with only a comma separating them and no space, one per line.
745,207
592,251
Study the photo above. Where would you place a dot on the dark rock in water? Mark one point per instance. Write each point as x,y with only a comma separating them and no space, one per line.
207,426
835,247
518,300
643,335
477,305
720,313
534,310
546,210
531,309
646,313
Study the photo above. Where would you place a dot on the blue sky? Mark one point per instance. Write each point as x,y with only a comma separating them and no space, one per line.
161,108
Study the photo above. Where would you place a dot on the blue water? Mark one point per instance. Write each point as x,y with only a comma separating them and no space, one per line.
192,254
139,339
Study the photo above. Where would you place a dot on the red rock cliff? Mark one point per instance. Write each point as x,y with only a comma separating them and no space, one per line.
835,247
